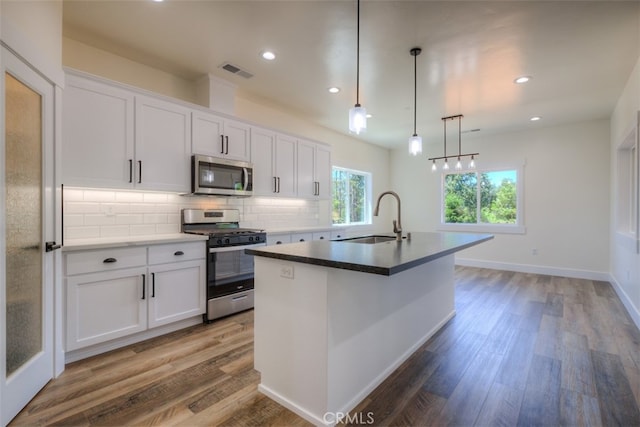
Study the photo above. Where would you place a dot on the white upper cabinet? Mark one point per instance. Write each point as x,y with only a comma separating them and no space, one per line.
117,139
273,156
220,137
97,134
163,140
314,170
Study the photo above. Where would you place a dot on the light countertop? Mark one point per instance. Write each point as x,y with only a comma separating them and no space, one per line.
113,242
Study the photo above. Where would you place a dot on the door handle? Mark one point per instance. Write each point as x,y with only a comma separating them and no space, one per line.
153,285
275,184
177,253
51,246
221,144
109,260
278,185
226,151
139,171
130,170
144,284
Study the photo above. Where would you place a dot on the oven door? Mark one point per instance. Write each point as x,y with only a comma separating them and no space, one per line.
230,270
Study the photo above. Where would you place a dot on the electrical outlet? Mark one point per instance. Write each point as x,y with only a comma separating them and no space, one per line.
286,271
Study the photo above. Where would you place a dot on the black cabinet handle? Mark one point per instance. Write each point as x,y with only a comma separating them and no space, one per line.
109,260
139,171
51,246
278,242
275,184
144,285
278,185
226,151
177,253
153,285
130,170
221,144
321,237
302,240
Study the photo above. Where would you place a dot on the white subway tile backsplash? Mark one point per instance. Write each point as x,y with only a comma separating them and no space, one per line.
94,213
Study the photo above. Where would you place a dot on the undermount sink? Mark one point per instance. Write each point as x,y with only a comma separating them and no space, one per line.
370,239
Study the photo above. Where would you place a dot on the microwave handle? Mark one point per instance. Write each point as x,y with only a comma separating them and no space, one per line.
245,172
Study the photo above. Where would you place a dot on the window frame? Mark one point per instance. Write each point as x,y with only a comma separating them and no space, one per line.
478,227
368,195
627,189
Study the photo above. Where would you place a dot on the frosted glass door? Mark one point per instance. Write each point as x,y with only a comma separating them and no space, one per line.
23,180
27,278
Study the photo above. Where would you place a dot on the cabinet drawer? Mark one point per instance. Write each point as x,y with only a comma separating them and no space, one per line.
322,235
278,239
301,237
174,252
105,260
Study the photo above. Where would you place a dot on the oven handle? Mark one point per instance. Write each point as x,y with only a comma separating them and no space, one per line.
235,248
245,172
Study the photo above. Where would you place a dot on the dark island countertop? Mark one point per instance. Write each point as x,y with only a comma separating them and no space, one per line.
385,258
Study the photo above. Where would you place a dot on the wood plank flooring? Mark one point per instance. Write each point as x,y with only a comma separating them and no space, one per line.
523,349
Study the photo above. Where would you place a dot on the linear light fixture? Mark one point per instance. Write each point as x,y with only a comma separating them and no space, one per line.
415,142
358,114
459,156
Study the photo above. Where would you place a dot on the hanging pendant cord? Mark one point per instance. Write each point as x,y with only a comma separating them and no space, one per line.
415,90
459,136
445,137
358,59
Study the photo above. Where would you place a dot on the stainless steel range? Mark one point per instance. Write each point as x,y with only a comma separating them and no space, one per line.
229,269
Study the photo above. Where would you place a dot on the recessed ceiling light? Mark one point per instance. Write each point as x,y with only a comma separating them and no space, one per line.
522,79
334,89
158,1
535,118
268,55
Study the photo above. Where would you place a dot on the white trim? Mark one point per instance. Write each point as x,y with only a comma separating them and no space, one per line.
535,269
484,228
633,311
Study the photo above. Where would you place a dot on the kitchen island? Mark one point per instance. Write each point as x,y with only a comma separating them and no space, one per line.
333,319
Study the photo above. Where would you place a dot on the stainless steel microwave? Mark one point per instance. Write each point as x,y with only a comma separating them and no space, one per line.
221,177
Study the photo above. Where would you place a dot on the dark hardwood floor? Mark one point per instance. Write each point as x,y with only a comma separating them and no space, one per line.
523,349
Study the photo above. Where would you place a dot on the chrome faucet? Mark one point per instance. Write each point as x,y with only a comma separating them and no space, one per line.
397,225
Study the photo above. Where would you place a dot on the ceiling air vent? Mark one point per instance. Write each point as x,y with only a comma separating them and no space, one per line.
236,70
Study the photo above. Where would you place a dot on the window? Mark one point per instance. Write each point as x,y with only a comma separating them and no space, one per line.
351,197
483,200
628,192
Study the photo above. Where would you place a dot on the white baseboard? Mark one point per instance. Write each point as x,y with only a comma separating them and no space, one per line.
633,311
535,269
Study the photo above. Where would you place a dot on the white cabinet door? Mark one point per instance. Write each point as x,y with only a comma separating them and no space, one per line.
285,165
104,306
163,145
98,135
307,186
314,170
263,147
219,137
323,172
176,291
237,140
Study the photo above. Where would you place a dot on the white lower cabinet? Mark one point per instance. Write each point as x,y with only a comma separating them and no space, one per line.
117,292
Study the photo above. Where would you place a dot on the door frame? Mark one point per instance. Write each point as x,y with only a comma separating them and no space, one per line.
52,362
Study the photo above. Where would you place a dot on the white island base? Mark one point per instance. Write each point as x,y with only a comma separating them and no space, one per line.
326,337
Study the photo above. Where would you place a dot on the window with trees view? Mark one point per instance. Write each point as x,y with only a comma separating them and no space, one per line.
481,197
351,196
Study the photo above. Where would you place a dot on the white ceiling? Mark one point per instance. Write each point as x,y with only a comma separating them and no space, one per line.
580,55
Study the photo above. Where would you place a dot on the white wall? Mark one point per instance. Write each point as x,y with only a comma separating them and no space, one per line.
566,197
625,262
34,30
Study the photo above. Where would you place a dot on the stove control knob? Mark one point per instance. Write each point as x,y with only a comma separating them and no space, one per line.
250,239
227,241
219,242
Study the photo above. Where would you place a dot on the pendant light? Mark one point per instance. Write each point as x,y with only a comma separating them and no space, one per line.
358,114
459,156
415,142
